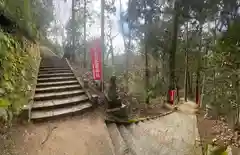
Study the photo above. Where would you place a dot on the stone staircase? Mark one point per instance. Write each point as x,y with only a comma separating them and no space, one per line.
160,136
58,92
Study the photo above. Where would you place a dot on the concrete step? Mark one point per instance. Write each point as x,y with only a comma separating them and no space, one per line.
60,111
53,62
57,88
56,83
52,79
57,95
119,144
41,75
55,71
59,102
130,141
52,58
53,66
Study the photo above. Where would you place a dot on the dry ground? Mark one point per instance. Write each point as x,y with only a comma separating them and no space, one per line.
79,135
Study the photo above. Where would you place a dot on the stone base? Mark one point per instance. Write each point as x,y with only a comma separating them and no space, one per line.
121,113
114,104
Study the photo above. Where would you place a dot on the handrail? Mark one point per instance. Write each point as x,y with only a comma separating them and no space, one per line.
91,97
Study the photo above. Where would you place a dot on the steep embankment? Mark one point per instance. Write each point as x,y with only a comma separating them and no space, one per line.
19,61
19,55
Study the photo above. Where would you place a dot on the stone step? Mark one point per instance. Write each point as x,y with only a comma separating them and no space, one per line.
59,102
51,61
130,141
41,75
57,88
52,58
56,83
53,66
59,111
52,79
57,95
119,144
55,71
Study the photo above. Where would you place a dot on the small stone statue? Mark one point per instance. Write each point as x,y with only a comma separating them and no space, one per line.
112,94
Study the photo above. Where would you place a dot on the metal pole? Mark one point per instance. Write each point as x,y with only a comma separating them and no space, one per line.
102,40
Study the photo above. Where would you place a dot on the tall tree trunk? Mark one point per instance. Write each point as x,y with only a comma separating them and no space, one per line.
214,86
128,57
102,41
237,96
198,67
85,31
172,52
186,68
112,54
70,49
126,53
148,22
202,105
146,71
26,9
189,81
73,31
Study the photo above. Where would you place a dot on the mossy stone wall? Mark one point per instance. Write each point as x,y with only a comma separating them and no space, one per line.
19,62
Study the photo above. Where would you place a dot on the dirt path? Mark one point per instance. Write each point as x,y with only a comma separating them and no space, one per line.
85,135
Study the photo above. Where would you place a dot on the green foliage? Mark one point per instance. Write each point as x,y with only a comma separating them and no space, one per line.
31,16
216,150
222,85
4,103
18,68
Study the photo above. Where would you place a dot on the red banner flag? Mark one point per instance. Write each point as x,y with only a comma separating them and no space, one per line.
96,53
172,95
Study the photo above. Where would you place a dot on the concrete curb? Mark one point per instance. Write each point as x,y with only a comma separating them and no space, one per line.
137,120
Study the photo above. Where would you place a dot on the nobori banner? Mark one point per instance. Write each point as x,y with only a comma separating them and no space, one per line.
96,52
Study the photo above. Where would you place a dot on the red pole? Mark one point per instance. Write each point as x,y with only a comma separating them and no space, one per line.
171,94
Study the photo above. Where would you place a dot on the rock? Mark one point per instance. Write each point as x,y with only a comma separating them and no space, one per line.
2,92
29,87
216,150
210,112
214,140
121,113
3,114
85,83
